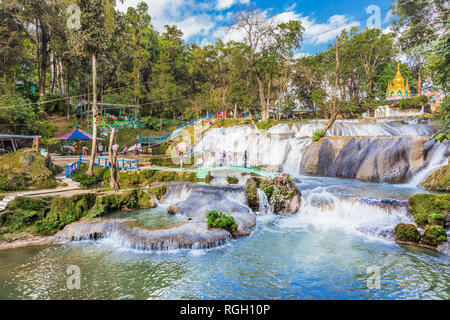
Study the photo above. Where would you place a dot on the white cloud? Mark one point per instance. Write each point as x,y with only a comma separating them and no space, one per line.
186,14
317,33
199,25
203,20
226,4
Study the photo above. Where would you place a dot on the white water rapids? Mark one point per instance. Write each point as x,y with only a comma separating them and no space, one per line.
283,145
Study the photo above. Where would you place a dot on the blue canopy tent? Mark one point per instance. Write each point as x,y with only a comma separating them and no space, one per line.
76,135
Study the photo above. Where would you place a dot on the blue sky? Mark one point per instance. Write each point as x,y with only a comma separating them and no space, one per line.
204,21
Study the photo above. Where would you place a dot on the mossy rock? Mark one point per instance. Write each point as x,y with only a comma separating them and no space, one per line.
434,235
439,180
251,189
172,210
26,169
429,208
407,232
158,191
232,180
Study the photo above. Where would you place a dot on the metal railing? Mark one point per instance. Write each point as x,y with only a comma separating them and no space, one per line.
71,168
121,163
172,135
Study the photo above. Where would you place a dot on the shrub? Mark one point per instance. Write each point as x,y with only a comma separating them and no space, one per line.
216,219
25,203
407,232
317,135
268,191
158,192
232,180
434,235
429,208
85,180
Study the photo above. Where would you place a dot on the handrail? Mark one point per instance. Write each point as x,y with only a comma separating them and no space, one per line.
71,168
169,136
120,163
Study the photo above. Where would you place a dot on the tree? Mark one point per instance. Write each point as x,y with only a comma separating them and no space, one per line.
91,40
267,44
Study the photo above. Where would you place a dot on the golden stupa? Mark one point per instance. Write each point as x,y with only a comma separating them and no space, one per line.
397,89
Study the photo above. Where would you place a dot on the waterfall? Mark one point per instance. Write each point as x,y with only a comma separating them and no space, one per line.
326,209
264,205
176,193
439,158
283,146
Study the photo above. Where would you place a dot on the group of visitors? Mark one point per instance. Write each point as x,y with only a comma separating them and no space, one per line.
226,158
100,150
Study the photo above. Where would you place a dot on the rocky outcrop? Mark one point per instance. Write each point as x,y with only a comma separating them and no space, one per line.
439,180
282,193
26,169
187,200
128,233
230,200
285,198
376,159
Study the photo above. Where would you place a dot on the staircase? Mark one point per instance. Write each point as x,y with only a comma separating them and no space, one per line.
153,141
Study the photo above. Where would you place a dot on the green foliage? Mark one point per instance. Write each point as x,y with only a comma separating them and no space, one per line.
439,180
130,178
415,102
434,235
158,191
407,232
216,219
317,135
26,169
64,211
268,190
85,180
429,208
232,180
152,123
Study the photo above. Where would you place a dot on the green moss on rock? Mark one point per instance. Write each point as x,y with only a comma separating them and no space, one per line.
429,208
439,180
26,169
158,191
407,232
232,180
434,235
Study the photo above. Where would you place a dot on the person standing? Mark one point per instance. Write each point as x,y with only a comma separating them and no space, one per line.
136,150
181,160
125,150
245,159
100,149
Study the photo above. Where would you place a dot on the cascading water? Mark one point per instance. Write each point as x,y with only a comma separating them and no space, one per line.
264,205
438,159
282,147
326,209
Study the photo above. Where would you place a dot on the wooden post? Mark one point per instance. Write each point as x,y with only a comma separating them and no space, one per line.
336,74
90,171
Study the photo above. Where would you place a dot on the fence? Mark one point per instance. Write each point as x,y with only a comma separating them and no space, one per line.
71,168
121,163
